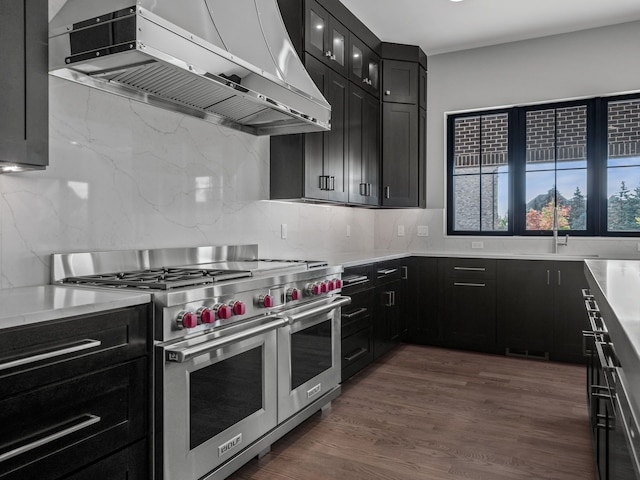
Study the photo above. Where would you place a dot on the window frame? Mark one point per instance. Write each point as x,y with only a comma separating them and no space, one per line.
597,164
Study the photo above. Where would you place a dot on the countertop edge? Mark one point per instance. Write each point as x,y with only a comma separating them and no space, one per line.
29,305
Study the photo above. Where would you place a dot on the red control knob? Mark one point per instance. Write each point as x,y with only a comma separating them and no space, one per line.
238,308
331,285
206,315
324,286
316,289
293,294
223,311
338,283
266,301
187,320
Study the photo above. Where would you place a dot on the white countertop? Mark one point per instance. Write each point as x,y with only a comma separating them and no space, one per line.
352,259
616,287
27,305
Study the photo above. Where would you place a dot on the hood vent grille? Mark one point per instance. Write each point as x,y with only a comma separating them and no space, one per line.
138,54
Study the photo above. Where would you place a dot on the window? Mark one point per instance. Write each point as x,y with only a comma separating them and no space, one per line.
525,170
623,166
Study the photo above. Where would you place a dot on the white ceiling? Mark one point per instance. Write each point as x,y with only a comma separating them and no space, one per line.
441,26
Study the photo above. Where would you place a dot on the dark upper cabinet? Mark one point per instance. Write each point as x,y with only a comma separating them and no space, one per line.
326,38
365,66
404,121
314,165
364,147
401,81
400,159
24,121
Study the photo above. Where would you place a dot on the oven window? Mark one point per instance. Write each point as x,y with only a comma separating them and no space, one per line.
310,353
224,393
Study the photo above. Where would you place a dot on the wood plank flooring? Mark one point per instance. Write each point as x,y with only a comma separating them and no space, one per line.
435,414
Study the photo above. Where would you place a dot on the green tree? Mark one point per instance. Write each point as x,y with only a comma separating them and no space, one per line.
578,216
623,209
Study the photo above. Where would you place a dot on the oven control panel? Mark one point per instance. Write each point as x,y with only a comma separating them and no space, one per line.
210,313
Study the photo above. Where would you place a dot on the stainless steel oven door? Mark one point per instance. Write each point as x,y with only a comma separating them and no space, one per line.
309,354
218,396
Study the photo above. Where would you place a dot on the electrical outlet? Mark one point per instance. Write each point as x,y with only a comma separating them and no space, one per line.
477,244
348,230
423,230
283,231
401,230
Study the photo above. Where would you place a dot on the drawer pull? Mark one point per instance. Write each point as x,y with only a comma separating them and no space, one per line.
357,353
90,420
471,269
387,271
71,348
465,284
354,314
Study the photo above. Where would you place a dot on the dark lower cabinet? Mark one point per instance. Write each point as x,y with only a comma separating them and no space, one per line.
422,302
357,319
127,464
541,309
469,303
387,328
525,307
569,319
73,393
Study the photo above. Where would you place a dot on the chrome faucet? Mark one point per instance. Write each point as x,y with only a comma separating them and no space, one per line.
556,241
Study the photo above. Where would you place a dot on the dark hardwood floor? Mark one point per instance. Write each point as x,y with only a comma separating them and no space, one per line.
435,414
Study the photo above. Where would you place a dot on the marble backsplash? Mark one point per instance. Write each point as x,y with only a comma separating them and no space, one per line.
127,175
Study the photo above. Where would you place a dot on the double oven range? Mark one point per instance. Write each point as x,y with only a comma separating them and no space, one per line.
245,349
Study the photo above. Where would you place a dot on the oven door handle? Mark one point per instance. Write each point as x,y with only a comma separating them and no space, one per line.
182,355
312,311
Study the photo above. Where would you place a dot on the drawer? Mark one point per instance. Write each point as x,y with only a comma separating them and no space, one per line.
358,278
361,306
357,352
56,429
469,267
132,463
44,353
388,272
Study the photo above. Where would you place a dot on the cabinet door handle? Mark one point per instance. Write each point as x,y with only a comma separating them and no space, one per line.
90,420
321,182
357,353
548,276
369,188
387,192
332,183
465,284
363,189
355,313
405,272
70,348
391,298
559,277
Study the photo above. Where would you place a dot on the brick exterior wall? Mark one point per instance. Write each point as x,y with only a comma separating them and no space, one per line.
561,131
476,160
624,129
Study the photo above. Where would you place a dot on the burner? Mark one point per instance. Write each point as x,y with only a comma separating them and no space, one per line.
159,278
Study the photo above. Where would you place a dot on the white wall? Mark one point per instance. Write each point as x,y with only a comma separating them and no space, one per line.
589,63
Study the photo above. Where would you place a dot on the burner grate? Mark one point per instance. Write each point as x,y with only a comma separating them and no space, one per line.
163,278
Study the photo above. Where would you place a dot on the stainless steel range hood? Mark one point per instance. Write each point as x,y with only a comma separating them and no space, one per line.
230,62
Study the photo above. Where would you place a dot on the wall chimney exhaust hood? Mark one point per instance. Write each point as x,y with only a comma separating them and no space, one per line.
230,62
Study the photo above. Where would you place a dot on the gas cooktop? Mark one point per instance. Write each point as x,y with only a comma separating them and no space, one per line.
161,278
